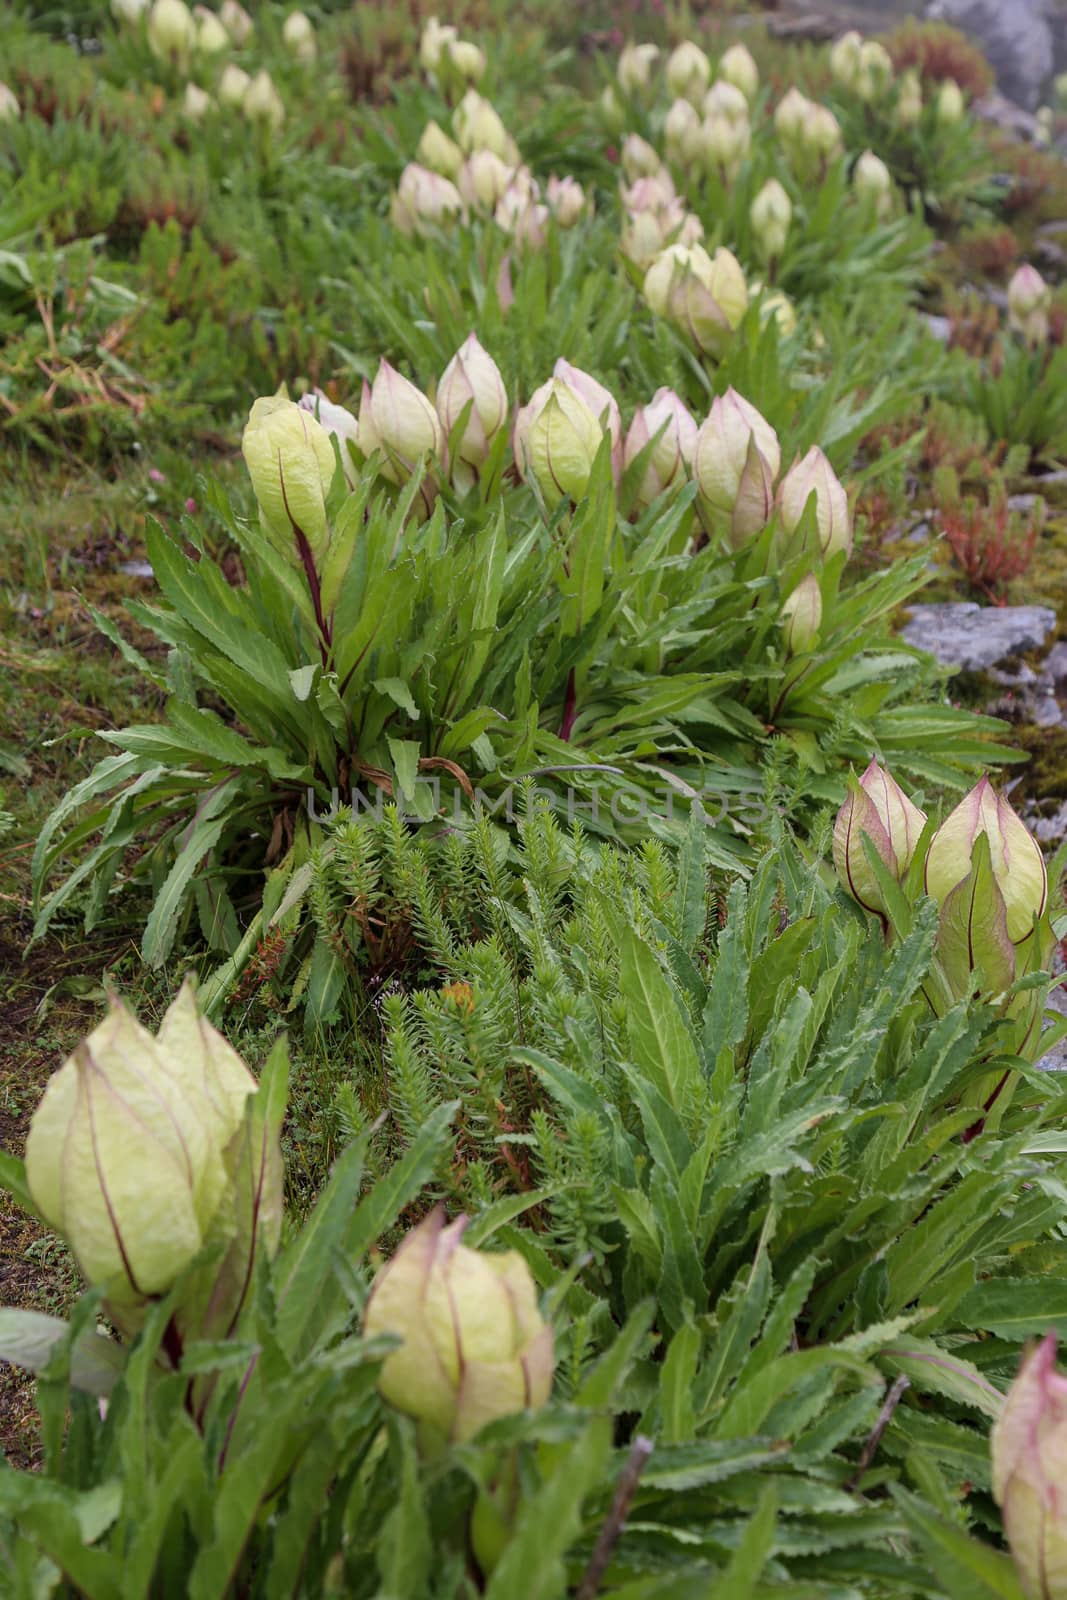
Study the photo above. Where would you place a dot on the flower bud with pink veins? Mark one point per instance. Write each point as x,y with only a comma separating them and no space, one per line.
722,449
638,159
1029,1450
814,476
556,439
567,201
876,808
1015,856
471,378
424,200
672,454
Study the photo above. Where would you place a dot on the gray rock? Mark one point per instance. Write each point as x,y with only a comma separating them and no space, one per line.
940,328
1055,663
1049,830
1016,35
973,637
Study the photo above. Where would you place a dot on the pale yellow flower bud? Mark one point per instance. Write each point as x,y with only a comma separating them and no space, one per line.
801,616
1017,862
876,808
814,476
672,454
474,1345
634,70
472,378
171,31
262,102
291,463
1029,1449
423,200
738,67
688,71
770,215
556,439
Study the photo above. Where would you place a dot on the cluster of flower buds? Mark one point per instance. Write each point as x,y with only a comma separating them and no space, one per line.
140,1153
479,171
704,296
1029,1451
448,58
810,135
654,217
862,66
984,869
474,1346
1029,302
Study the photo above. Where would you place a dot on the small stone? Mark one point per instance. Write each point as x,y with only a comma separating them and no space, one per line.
1055,663
939,327
973,637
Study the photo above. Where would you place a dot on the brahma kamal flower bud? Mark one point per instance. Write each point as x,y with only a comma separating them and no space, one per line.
233,85
125,1155
601,402
474,1345
567,201
128,11
791,116
801,616
396,418
876,808
196,102
291,464
298,36
638,159
262,102
682,132
483,180
813,475
211,35
872,183
471,378
725,442
875,72
909,108
1029,1451
438,152
724,145
424,199
435,36
672,454
466,59
770,215
648,193
236,21
950,106
1015,857
171,32
1029,300
339,424
738,67
725,100
777,308
634,70
822,135
845,59
555,439
477,126
520,213
688,71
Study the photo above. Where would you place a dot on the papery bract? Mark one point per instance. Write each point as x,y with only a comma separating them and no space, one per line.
814,476
1017,863
291,463
672,454
1029,1451
722,448
556,438
474,1345
876,808
801,616
738,67
472,377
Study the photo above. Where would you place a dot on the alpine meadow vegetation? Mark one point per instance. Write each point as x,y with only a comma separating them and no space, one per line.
526,1069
